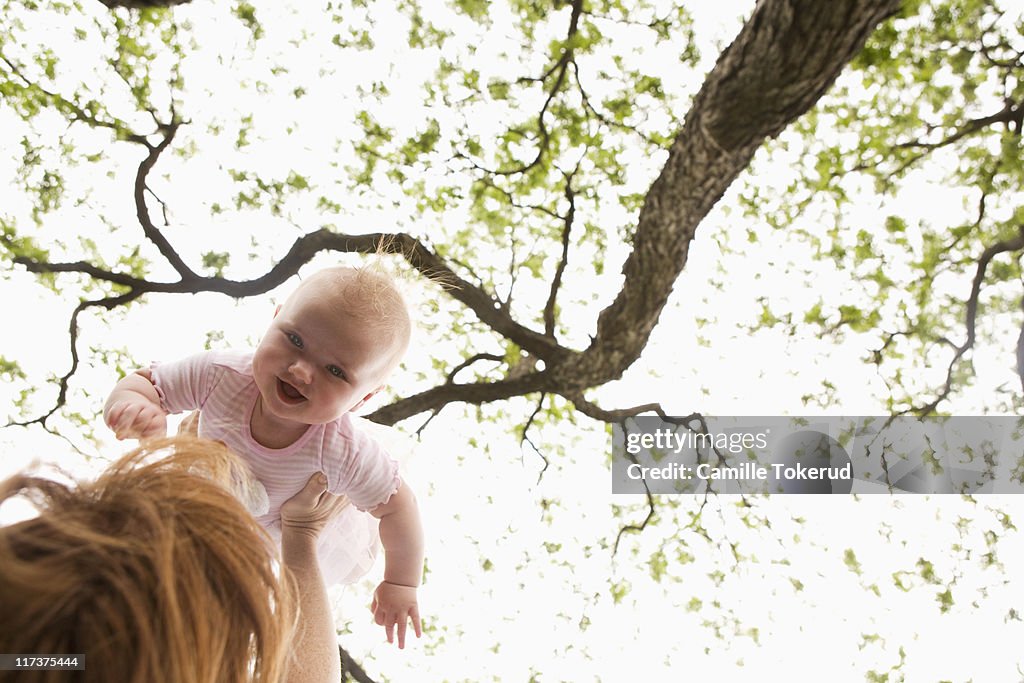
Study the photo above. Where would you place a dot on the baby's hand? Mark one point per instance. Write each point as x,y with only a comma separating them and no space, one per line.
394,604
137,420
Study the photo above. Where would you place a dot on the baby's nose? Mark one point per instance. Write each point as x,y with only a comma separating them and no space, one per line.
301,371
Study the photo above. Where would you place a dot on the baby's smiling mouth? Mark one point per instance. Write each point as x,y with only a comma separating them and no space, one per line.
288,393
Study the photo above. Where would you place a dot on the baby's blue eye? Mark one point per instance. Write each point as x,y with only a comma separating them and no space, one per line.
295,339
336,371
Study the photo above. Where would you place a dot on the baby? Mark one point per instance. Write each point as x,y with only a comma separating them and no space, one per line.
285,409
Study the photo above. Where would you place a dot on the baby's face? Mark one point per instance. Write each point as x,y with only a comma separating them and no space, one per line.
316,362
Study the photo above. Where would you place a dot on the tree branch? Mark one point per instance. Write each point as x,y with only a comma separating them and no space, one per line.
351,668
470,361
75,111
108,303
526,438
152,232
781,62
601,117
1015,244
302,251
784,58
1010,114
489,182
559,67
476,393
556,281
636,528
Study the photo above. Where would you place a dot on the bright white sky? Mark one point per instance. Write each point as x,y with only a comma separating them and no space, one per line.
510,593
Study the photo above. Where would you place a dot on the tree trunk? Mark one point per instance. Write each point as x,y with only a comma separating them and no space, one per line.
783,60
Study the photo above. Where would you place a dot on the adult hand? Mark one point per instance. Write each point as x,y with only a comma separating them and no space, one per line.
308,511
190,425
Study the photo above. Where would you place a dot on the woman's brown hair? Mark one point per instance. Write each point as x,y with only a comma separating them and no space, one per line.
154,571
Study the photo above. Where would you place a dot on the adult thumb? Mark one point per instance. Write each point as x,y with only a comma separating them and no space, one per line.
313,489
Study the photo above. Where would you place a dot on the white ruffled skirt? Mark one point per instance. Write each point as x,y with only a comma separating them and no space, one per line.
347,546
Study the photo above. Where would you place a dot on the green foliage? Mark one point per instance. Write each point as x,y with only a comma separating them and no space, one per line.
619,590
907,113
246,13
216,261
20,246
850,560
257,193
554,121
134,59
10,370
516,129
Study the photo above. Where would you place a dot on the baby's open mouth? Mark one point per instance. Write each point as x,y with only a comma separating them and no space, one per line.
288,393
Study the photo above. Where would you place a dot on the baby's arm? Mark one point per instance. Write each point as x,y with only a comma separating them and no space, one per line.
401,534
133,409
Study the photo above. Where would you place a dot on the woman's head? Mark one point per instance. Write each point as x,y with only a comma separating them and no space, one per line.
154,571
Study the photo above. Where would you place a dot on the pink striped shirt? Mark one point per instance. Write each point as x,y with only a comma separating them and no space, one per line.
220,385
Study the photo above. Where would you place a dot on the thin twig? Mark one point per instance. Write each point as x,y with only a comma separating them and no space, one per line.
991,252
470,361
525,437
108,303
556,281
